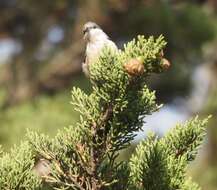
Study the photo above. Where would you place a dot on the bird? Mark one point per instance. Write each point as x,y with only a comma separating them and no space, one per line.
96,39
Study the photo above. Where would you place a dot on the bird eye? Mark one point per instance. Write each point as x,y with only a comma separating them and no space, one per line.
94,27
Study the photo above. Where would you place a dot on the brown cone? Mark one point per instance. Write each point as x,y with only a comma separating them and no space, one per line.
134,67
165,64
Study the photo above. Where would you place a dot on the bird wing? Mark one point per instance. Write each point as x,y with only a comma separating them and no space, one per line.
112,45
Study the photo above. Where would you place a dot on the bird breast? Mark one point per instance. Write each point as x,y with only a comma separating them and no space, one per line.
93,50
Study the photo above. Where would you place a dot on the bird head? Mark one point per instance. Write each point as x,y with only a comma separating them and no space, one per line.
93,32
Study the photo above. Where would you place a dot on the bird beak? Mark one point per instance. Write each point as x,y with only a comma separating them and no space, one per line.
85,30
86,34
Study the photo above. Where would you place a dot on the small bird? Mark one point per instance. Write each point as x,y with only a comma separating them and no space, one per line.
96,40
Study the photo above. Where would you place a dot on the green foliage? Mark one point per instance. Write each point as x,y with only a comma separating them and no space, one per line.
186,26
84,156
161,164
184,141
16,169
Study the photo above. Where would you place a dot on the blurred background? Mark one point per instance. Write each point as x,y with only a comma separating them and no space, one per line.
41,50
